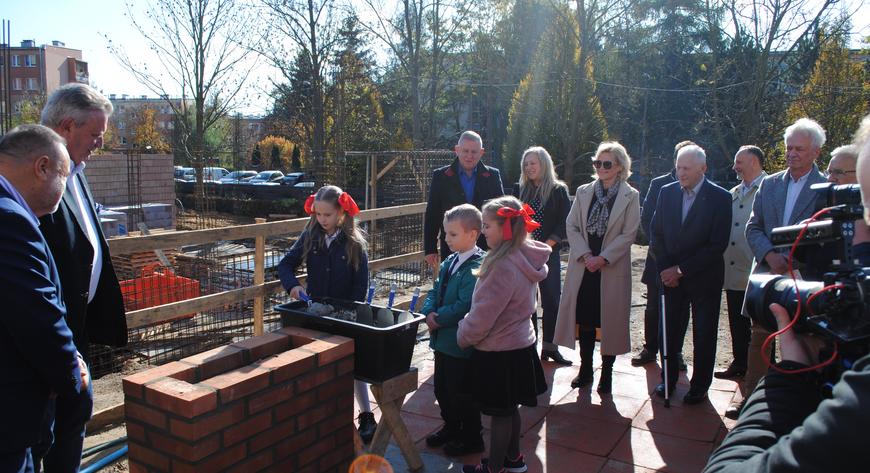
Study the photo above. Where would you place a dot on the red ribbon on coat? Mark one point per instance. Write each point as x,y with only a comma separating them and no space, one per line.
509,214
345,201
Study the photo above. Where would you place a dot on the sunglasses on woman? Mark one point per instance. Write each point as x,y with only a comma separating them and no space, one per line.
598,164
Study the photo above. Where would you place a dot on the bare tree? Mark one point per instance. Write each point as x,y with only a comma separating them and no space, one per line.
200,50
310,27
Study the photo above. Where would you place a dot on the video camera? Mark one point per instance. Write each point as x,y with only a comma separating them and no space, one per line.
835,292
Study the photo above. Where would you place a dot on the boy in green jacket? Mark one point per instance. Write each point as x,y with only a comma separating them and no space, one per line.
445,305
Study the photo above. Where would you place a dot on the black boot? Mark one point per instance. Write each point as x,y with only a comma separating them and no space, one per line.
605,383
587,348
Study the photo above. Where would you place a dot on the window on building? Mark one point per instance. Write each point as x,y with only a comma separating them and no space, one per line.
15,61
32,83
30,60
16,83
123,140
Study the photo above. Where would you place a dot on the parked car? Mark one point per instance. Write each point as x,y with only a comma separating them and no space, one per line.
267,176
185,174
295,177
237,177
214,173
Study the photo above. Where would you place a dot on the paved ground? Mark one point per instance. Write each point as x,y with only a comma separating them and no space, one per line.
583,432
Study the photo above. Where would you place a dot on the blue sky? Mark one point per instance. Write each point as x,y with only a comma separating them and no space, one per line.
86,25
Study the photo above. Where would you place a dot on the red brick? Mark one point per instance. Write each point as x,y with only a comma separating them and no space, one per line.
344,435
216,361
247,428
238,383
330,350
314,452
136,432
315,378
295,444
133,410
186,451
256,463
264,345
345,366
300,336
289,364
133,384
312,416
140,454
273,435
180,397
271,397
217,462
342,453
335,388
333,423
206,425
135,467
294,406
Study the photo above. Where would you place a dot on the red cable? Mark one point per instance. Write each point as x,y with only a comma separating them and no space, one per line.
772,337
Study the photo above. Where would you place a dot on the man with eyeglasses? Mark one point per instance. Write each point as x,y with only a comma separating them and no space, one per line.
841,167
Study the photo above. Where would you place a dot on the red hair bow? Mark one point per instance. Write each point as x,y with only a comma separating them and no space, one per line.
509,214
347,203
309,205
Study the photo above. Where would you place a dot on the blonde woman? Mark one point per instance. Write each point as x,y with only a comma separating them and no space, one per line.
548,197
601,228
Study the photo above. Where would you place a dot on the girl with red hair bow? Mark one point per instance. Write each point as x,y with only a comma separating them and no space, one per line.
333,250
505,367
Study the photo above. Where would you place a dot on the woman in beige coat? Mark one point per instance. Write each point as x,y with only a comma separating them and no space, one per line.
601,228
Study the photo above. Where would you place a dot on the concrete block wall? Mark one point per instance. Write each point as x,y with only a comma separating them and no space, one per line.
107,176
279,402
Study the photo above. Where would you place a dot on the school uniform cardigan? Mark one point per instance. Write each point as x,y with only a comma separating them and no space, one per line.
454,305
330,273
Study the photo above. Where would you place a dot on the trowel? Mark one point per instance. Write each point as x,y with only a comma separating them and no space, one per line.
364,311
408,315
385,315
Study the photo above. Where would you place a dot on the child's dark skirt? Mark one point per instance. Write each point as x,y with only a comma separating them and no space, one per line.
502,380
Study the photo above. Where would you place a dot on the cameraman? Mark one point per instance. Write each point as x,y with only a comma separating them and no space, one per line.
784,427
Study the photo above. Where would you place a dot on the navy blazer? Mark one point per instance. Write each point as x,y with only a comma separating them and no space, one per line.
650,275
330,273
445,192
36,345
697,244
103,320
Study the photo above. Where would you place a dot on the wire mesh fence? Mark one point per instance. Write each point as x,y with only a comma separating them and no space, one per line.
182,273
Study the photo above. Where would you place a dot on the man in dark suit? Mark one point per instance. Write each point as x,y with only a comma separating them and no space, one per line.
36,345
95,308
650,276
465,181
690,231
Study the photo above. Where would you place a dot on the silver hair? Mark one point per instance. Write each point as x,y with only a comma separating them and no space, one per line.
809,127
620,153
27,142
862,136
849,152
76,101
696,151
471,136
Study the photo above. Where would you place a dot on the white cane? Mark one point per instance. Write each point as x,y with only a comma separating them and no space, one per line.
664,343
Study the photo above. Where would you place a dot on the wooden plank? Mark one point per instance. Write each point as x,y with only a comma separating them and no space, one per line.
157,241
259,278
388,167
396,388
393,261
108,416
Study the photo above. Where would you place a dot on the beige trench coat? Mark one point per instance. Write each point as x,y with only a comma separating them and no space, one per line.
615,277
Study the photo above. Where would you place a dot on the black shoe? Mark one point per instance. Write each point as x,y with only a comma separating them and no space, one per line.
645,356
660,390
459,448
555,357
605,384
510,466
582,379
367,426
694,397
734,410
442,437
682,363
732,372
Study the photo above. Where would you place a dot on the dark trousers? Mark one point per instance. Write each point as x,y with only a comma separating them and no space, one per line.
551,293
705,326
652,317
16,462
63,433
740,326
453,392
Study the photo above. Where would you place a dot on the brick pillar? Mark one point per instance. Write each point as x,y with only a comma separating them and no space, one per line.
279,402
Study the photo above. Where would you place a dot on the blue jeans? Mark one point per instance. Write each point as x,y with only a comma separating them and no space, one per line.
16,462
551,293
63,433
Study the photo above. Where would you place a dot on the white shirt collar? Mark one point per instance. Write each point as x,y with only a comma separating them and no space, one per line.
463,257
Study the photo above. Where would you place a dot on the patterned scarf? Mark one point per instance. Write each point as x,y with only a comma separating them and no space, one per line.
596,223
